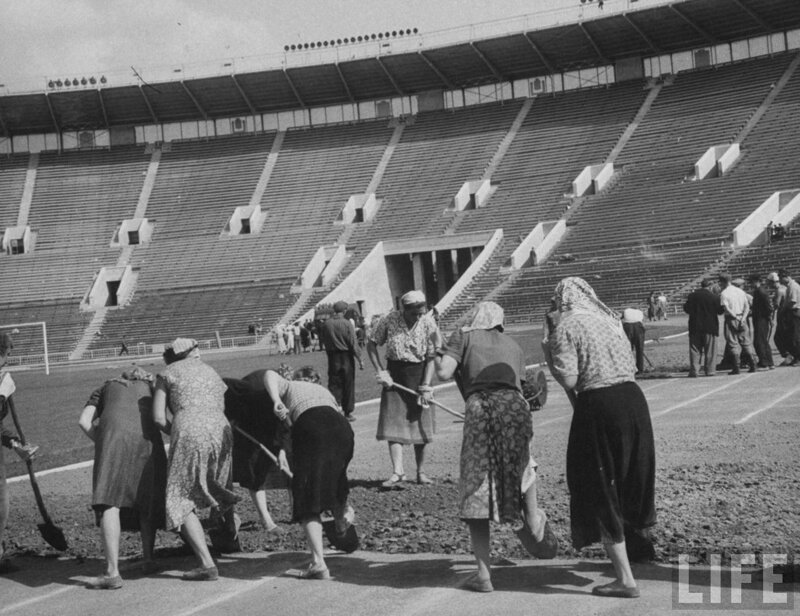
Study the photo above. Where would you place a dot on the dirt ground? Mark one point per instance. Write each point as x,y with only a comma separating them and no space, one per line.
721,489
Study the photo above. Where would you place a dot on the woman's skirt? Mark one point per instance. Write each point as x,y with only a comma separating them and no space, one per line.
322,447
401,418
610,465
495,452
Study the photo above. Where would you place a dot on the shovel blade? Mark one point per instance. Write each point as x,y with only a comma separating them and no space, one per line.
54,536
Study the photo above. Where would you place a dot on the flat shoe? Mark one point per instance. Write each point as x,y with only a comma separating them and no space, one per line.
316,573
105,582
423,479
476,584
201,574
393,481
615,590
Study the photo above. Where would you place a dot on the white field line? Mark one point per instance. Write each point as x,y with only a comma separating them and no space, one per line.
15,606
701,396
768,406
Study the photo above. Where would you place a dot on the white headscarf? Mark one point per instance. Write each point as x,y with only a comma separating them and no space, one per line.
485,315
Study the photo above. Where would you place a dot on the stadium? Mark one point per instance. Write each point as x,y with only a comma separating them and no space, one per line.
638,144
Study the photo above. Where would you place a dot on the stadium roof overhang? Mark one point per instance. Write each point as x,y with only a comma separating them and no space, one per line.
650,31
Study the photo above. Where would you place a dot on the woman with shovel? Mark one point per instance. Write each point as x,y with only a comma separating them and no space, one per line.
26,452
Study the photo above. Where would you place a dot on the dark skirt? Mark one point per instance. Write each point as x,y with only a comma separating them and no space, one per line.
322,447
495,451
610,465
401,418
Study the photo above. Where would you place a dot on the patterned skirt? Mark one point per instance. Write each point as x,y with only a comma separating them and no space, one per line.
495,452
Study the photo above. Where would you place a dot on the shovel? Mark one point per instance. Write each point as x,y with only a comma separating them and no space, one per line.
49,531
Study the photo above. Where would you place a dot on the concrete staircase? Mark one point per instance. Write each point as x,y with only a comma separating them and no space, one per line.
89,334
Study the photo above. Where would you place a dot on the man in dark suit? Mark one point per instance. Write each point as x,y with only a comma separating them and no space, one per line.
703,308
338,336
761,312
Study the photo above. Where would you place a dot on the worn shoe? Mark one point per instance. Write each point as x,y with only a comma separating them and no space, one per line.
615,589
423,479
201,574
477,584
545,549
351,418
105,582
316,573
394,481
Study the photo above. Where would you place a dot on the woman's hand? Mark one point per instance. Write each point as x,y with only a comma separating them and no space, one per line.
26,452
384,378
281,412
425,395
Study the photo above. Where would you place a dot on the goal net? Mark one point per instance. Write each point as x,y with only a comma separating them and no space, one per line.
29,342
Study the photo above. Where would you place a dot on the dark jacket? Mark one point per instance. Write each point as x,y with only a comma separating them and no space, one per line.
762,304
703,308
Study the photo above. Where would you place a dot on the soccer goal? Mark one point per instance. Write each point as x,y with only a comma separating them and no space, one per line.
30,344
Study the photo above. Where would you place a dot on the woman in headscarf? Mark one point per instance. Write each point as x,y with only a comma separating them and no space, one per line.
201,443
130,468
248,406
497,472
322,447
610,454
405,419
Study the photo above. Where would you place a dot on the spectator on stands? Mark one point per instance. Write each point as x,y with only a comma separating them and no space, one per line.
6,345
633,326
791,310
259,328
761,318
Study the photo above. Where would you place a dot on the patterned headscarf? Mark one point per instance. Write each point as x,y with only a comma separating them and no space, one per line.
485,315
574,294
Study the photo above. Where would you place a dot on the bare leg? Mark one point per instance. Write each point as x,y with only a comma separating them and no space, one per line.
192,532
312,527
419,456
534,516
396,456
479,533
259,498
622,568
109,532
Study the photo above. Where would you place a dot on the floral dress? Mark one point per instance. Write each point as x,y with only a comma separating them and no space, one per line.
201,445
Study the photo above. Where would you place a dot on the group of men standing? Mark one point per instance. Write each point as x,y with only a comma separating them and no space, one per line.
749,320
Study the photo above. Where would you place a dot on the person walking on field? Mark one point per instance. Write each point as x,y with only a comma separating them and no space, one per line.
6,346
703,308
339,339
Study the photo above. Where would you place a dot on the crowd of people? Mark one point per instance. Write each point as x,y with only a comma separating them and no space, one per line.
248,430
755,314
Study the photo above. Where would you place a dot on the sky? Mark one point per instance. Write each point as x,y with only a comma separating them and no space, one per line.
42,39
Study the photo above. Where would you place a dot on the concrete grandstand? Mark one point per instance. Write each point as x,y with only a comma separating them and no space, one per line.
641,148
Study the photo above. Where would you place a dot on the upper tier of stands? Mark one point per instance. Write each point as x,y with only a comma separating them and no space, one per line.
652,229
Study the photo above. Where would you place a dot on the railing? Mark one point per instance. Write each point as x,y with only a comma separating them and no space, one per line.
328,54
144,350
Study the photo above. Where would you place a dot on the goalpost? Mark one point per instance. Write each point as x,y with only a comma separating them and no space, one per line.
6,328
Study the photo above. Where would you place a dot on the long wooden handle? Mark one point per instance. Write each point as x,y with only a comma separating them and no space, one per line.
37,494
436,402
270,455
